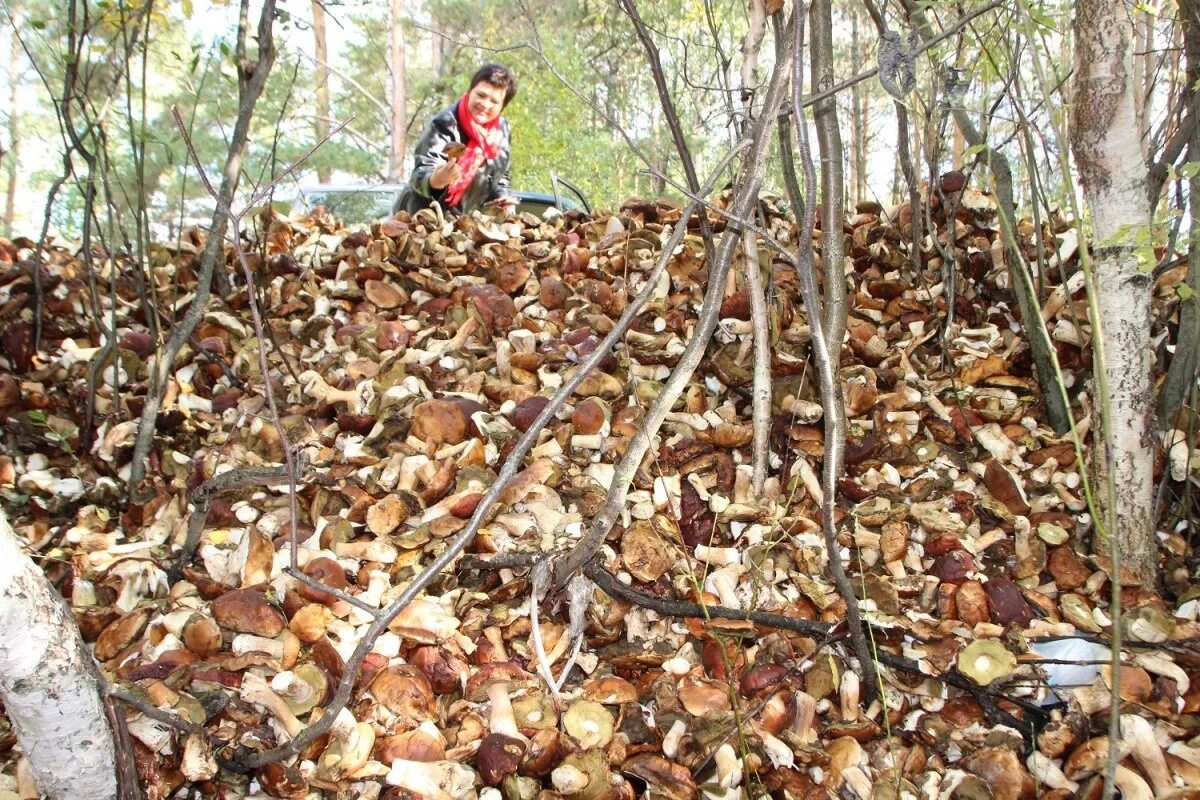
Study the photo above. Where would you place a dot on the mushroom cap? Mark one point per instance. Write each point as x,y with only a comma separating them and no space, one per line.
492,673
248,611
985,661
610,690
498,757
589,723
419,744
404,689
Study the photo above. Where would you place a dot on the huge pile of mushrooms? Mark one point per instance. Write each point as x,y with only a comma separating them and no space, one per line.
408,357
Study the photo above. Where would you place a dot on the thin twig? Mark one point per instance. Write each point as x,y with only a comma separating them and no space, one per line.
744,202
830,389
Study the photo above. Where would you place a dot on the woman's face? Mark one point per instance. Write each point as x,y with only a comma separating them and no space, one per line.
485,101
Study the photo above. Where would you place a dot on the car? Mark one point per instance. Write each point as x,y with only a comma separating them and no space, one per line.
354,203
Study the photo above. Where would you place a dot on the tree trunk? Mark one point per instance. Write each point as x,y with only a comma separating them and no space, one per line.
399,93
49,684
1107,149
14,130
858,119
833,186
1181,375
321,51
252,78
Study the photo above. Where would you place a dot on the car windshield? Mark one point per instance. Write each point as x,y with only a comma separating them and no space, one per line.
349,204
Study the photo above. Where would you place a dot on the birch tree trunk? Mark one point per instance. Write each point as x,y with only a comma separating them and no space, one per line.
321,52
49,684
14,128
1107,148
399,93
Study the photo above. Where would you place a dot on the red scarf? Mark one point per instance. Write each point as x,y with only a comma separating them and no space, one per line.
483,145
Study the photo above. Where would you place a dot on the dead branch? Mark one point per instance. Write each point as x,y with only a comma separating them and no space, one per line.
672,116
823,354
745,200
252,78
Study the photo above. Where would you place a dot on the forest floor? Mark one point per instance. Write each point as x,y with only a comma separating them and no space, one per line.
407,359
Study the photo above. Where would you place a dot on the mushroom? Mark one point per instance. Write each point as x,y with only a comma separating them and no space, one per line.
423,743
589,723
302,688
844,757
729,768
499,756
1048,773
309,623
848,694
435,780
610,690
282,650
674,738
494,681
256,690
403,689
316,388
350,749
1132,785
1139,735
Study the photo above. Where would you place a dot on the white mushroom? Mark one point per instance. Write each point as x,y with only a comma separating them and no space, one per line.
1131,785
256,690
1048,773
729,768
316,388
350,749
1139,735
435,780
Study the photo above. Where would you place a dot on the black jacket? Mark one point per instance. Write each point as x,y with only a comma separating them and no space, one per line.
491,181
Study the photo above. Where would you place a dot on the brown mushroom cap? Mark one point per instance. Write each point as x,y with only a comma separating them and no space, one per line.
404,689
121,633
546,750
498,757
248,611
283,781
492,673
202,635
610,690
415,745
328,572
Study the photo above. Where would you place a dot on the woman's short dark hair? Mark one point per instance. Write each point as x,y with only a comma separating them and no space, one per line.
497,75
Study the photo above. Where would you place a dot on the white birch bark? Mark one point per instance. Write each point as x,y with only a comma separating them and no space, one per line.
49,684
1106,144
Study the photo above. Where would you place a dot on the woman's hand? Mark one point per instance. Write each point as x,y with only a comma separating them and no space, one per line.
446,174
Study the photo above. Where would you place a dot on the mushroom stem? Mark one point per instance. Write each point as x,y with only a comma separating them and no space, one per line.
501,718
1145,751
256,690
316,388
1048,773
1132,786
435,780
493,635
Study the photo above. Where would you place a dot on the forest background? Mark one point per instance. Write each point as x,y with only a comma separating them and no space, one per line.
377,70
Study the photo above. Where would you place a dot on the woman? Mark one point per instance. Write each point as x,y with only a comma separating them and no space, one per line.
462,158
